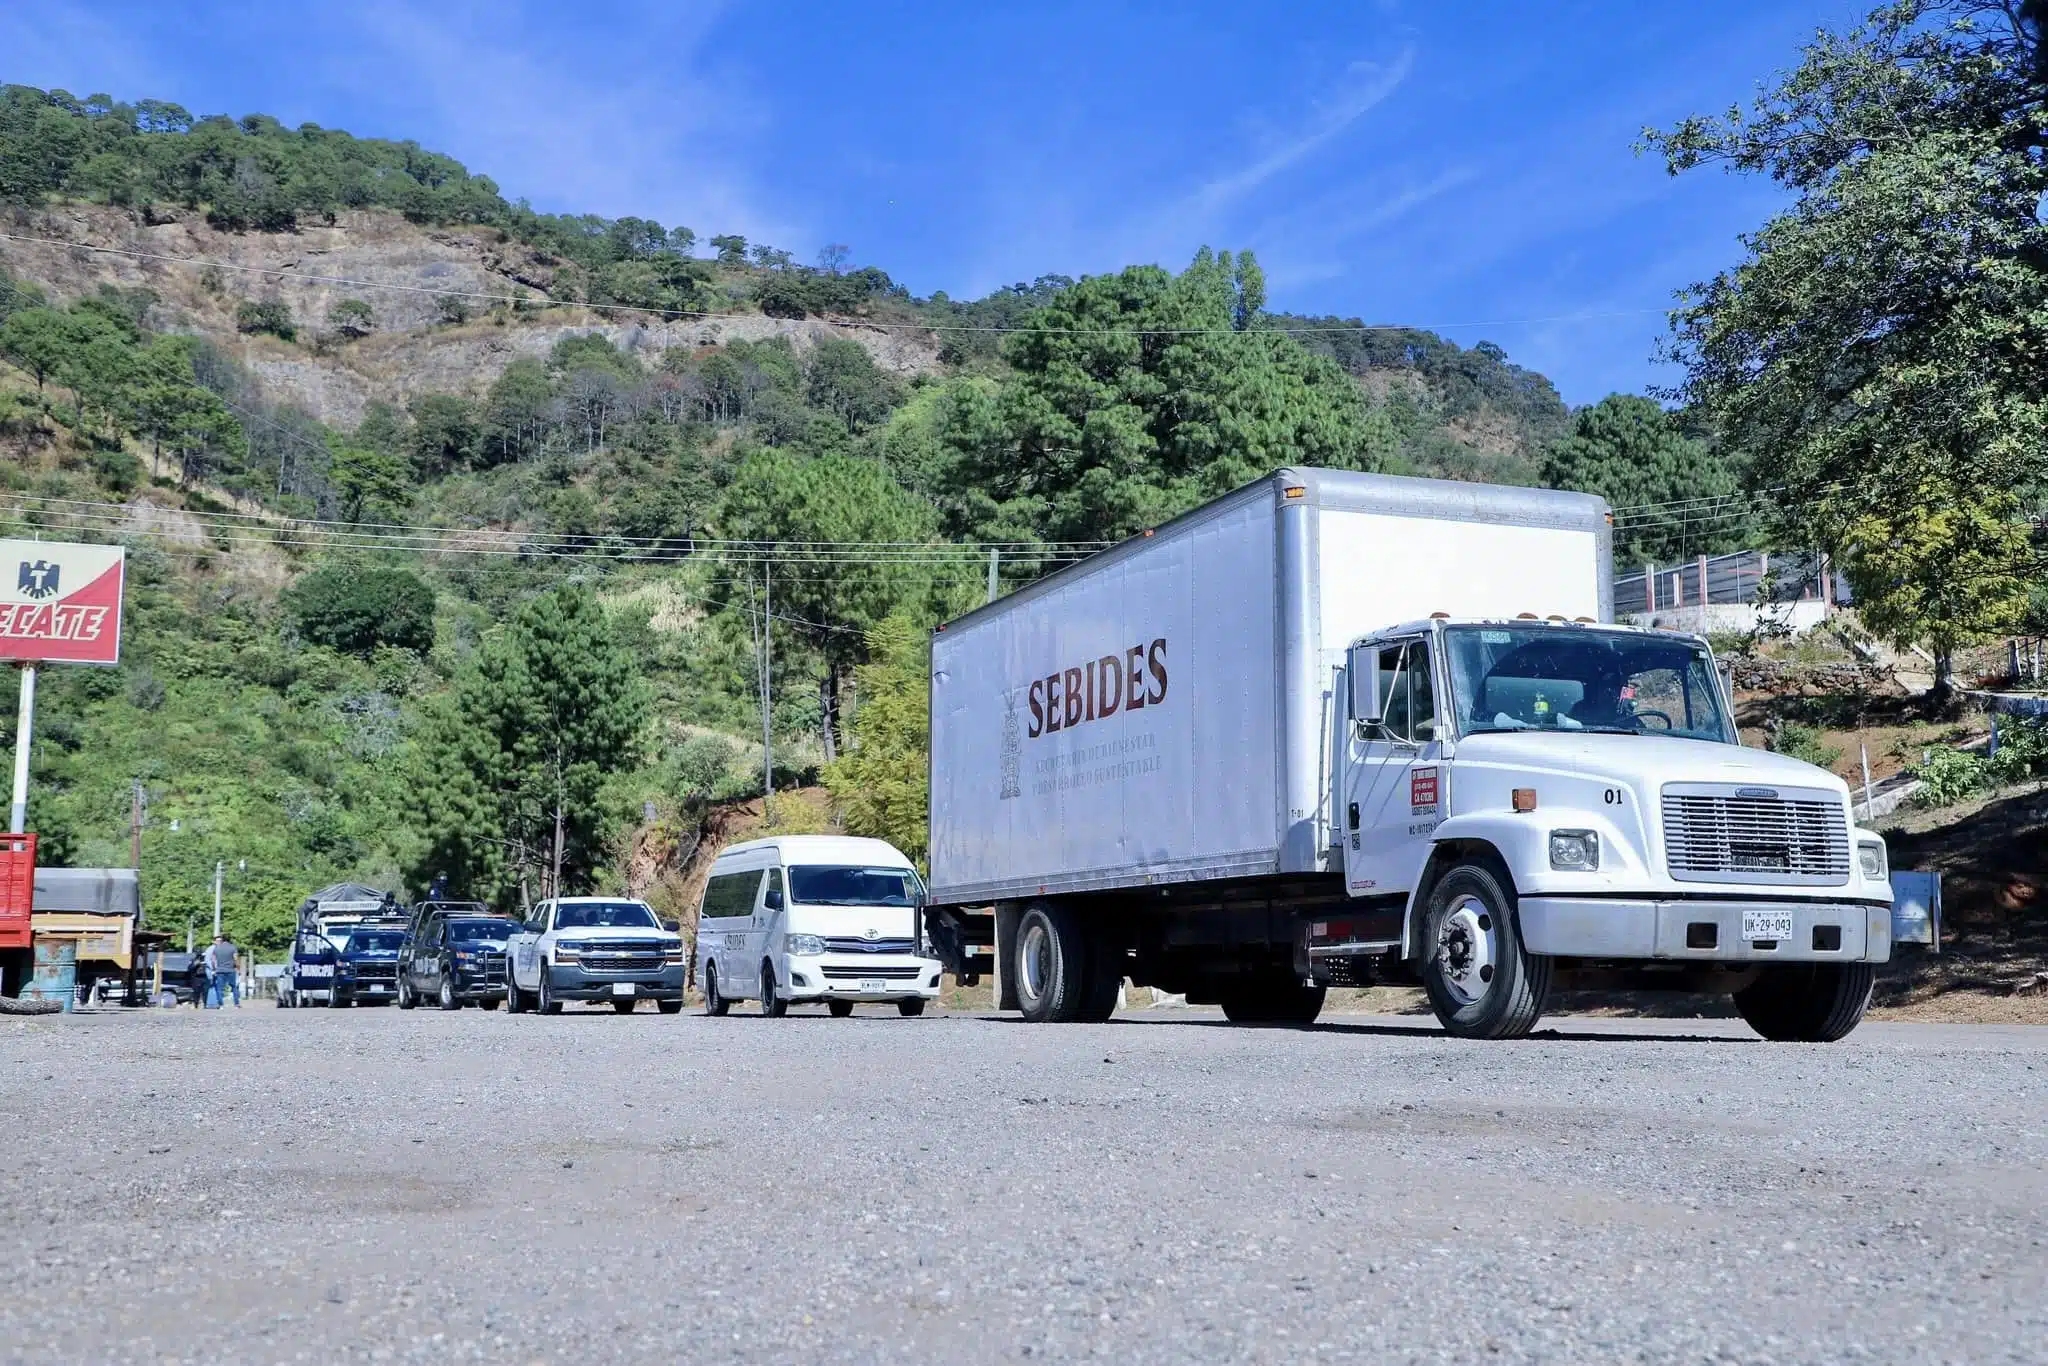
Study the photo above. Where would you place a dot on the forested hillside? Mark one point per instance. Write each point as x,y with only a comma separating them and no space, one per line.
456,526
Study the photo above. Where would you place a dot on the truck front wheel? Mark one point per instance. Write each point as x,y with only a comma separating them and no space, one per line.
1810,1003
1481,982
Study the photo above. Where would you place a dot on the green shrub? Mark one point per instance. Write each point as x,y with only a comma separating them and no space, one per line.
1804,743
355,609
2022,751
268,315
1950,775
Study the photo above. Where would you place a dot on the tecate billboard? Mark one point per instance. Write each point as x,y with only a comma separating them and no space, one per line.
60,603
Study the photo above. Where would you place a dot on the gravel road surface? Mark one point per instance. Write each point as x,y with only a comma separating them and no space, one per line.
272,1186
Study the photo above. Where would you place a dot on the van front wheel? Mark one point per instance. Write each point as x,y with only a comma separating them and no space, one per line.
1480,980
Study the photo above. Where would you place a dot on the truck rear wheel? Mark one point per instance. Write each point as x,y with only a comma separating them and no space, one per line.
405,997
1807,1003
1278,1002
1481,982
1063,973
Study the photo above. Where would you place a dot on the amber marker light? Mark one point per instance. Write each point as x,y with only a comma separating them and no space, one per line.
1294,491
1525,799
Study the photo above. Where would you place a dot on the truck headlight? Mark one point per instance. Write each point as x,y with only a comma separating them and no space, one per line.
804,945
1574,851
568,951
1870,858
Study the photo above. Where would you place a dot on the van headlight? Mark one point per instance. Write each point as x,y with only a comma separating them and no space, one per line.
1574,851
1870,858
804,945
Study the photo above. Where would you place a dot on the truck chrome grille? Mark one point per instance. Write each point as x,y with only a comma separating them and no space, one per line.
1724,833
622,962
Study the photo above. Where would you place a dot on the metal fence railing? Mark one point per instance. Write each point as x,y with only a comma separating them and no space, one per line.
1735,578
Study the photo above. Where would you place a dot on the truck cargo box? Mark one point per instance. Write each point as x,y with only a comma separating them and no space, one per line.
1160,712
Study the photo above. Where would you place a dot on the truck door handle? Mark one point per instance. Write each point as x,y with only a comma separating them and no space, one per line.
1354,815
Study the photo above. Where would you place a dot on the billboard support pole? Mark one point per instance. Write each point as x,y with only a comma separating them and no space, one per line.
24,726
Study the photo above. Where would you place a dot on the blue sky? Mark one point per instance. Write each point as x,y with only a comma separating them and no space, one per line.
1462,166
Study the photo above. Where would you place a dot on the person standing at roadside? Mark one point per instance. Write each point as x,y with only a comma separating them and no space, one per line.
223,971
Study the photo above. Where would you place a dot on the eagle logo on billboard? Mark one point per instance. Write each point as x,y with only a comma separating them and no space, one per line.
37,579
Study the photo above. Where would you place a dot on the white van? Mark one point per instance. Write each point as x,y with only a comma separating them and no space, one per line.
807,918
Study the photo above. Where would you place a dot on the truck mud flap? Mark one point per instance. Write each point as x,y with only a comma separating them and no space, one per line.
1916,908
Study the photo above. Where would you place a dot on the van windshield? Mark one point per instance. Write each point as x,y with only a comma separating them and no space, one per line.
833,884
1513,678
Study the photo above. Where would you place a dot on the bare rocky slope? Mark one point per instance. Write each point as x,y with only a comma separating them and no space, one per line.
399,266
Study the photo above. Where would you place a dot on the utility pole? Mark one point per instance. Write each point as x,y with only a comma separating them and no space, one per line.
767,688
17,816
218,868
992,580
135,824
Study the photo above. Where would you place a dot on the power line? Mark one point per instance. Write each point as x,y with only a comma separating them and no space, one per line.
544,301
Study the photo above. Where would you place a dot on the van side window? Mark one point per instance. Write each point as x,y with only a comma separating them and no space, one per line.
730,895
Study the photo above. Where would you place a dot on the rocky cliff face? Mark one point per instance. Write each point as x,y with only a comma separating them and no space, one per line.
201,277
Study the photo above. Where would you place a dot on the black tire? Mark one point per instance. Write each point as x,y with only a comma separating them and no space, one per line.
674,1007
338,1000
1274,1001
714,1003
624,1007
1807,1002
406,1000
773,1007
446,998
546,1004
1480,980
1054,963
515,1004
839,1009
911,1008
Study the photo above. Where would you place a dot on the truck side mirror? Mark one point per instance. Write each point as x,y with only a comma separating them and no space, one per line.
773,900
1365,685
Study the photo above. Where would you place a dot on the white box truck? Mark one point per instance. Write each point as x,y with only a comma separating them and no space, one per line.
1339,728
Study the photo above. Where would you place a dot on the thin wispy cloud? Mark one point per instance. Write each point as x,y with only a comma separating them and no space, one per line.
1365,84
655,139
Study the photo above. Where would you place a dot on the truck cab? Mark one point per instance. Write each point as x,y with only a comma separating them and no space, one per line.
1525,802
594,948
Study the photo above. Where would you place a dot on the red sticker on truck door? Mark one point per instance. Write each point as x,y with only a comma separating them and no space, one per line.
1422,790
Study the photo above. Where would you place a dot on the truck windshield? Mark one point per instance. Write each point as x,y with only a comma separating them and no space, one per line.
466,930
1513,678
382,941
604,915
832,884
